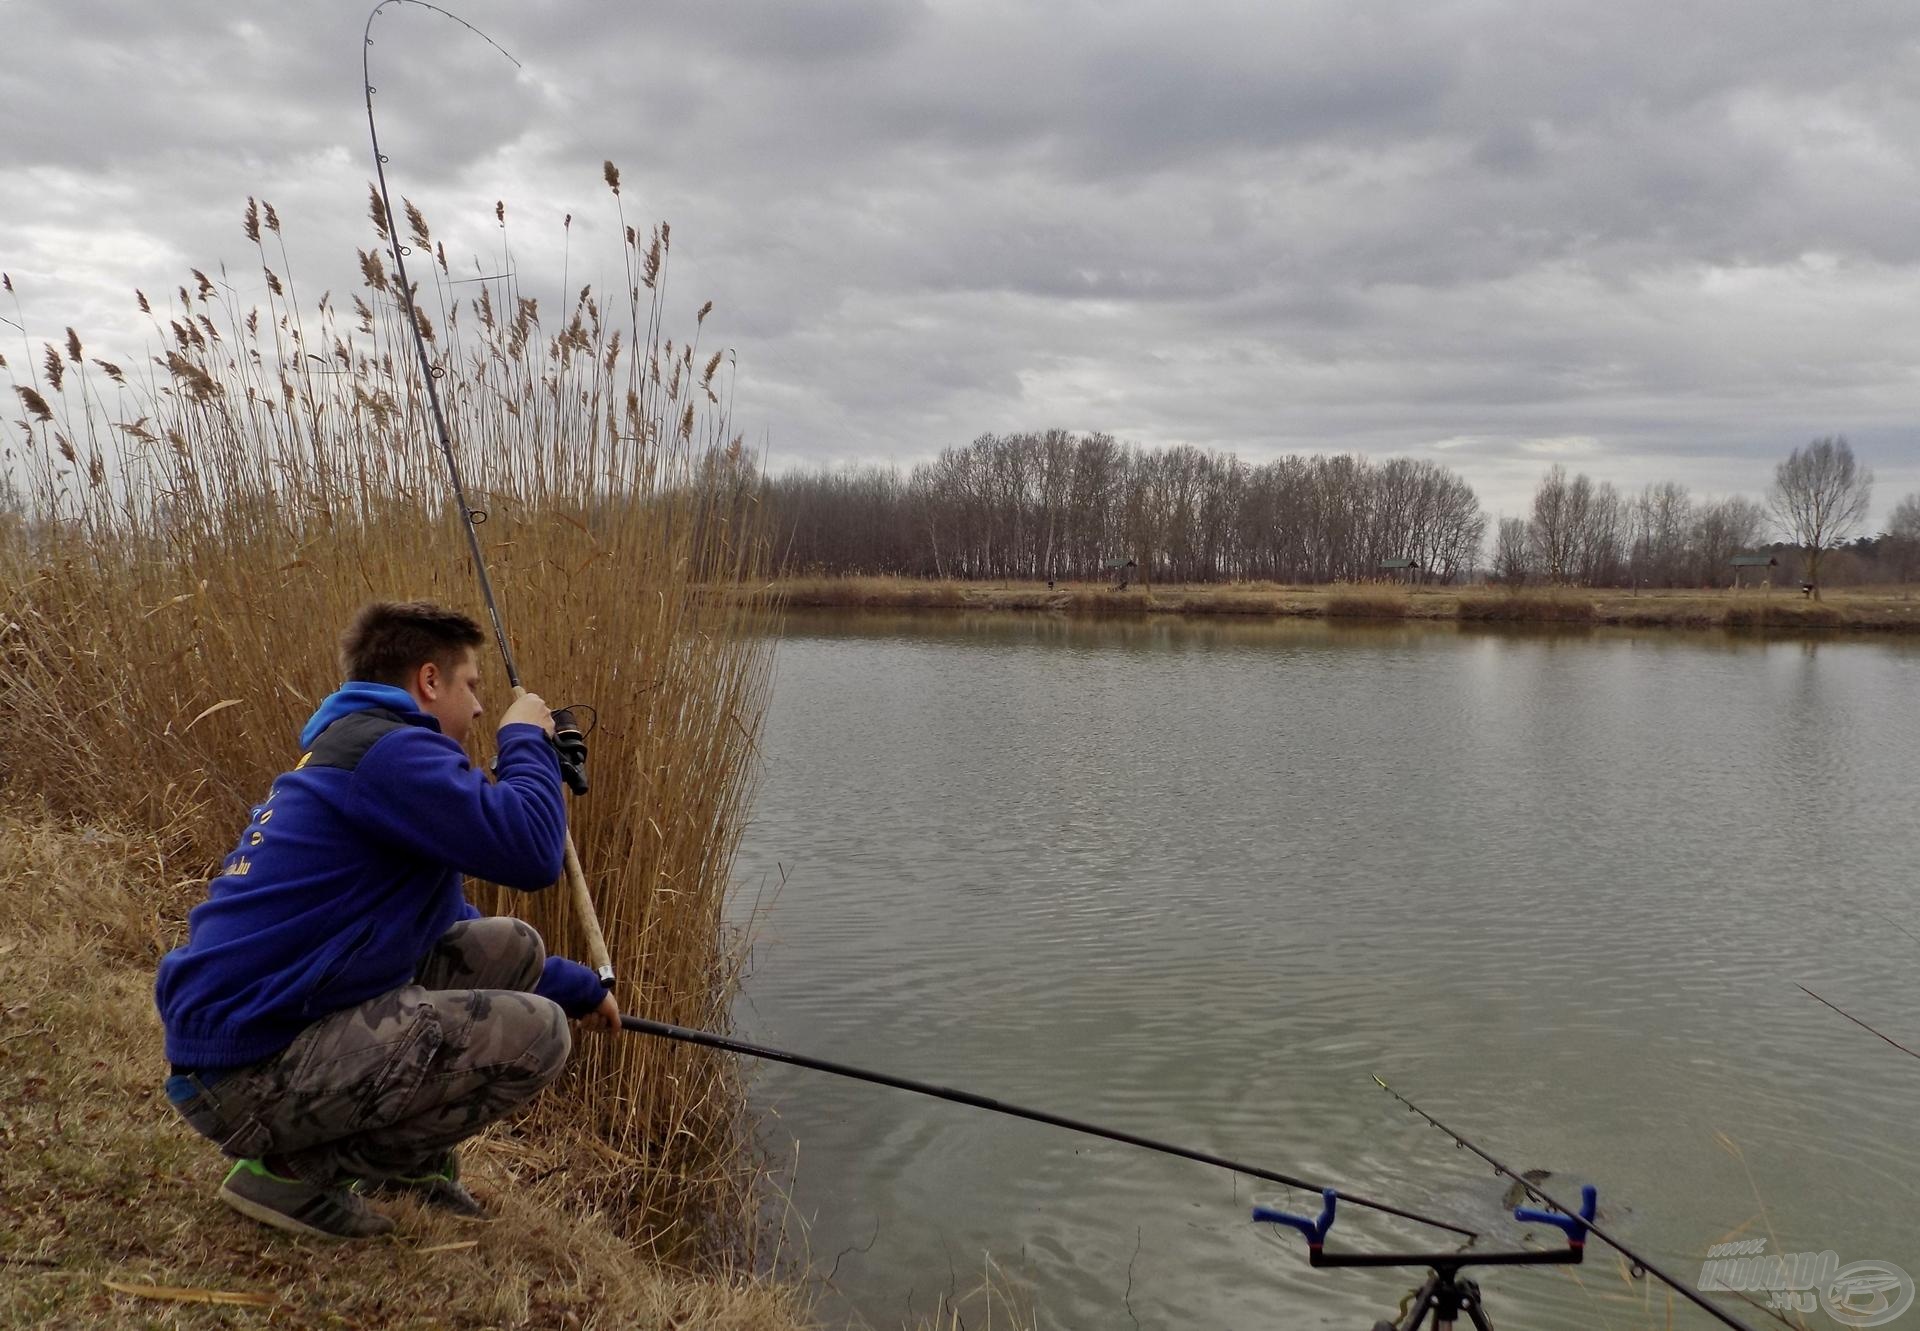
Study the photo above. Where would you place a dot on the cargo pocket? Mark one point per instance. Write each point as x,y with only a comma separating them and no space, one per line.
393,1088
363,1066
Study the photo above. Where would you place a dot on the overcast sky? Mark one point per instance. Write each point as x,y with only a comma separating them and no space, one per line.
1651,239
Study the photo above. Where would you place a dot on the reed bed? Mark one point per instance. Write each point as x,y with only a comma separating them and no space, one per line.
1554,607
1354,602
1757,613
186,537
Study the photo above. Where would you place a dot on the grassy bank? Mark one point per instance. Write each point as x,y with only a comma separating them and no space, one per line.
101,1185
1877,609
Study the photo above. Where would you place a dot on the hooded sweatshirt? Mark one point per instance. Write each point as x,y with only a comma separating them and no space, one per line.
350,871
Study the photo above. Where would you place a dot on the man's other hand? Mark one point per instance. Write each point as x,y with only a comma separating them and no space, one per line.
606,1017
529,709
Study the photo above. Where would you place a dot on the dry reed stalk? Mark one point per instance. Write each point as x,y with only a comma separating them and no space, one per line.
1363,602
1528,607
168,617
1761,613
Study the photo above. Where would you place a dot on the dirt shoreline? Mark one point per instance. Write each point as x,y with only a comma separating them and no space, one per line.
1876,609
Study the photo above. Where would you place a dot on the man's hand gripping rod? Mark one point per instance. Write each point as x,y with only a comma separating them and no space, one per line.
469,516
571,746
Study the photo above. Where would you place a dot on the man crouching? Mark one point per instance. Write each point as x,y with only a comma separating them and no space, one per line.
340,1017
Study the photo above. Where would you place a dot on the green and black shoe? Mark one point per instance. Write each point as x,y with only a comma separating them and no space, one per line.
439,1188
298,1207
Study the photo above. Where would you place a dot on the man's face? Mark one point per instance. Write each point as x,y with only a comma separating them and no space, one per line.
450,695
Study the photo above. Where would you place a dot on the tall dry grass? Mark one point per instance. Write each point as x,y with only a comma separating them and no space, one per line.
1553,606
184,538
1357,601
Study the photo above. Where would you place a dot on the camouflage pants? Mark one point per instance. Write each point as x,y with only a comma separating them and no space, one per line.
385,1088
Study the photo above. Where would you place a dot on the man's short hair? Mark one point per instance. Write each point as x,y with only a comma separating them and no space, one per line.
389,640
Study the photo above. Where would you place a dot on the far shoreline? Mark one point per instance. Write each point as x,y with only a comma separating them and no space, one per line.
1779,609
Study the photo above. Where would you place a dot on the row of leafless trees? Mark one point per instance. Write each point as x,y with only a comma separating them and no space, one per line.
1592,535
1061,505
1589,534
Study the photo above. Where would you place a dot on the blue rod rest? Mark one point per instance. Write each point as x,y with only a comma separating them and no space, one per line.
1574,1226
1315,1230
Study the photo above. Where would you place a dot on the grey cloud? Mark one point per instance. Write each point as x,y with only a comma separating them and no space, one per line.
1683,234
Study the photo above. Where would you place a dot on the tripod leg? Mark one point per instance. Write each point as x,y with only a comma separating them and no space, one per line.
1471,1303
1417,1314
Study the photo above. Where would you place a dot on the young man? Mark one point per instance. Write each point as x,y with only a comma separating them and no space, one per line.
339,1017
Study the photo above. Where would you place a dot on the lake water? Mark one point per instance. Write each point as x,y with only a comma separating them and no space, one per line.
1201,880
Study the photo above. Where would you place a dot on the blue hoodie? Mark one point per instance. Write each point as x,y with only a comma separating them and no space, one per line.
350,871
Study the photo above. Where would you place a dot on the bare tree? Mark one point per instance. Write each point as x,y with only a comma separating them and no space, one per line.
1512,552
1819,496
1722,530
1903,538
1559,522
1663,521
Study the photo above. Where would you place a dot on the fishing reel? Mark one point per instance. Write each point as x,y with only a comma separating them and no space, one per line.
570,746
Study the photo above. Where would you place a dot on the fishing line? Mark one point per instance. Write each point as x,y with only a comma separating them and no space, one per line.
470,517
1856,1021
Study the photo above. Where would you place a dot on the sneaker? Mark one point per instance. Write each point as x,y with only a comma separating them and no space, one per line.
301,1208
439,1188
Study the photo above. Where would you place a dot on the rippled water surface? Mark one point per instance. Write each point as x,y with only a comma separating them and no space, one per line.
1202,880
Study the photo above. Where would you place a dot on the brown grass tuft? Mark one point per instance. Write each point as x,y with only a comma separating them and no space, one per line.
34,403
1356,602
1763,614
376,213
416,224
1553,607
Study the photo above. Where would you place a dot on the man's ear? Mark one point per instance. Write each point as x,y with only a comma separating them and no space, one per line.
427,680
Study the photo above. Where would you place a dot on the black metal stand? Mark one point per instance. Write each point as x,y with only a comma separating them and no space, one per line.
1446,1295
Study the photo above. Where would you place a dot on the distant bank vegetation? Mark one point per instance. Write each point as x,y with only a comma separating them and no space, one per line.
1064,506
1885,609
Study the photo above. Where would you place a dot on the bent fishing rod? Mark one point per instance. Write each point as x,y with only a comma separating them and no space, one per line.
470,517
687,1035
1584,1214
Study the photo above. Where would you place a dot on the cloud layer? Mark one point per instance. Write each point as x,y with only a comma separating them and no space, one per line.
1647,240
